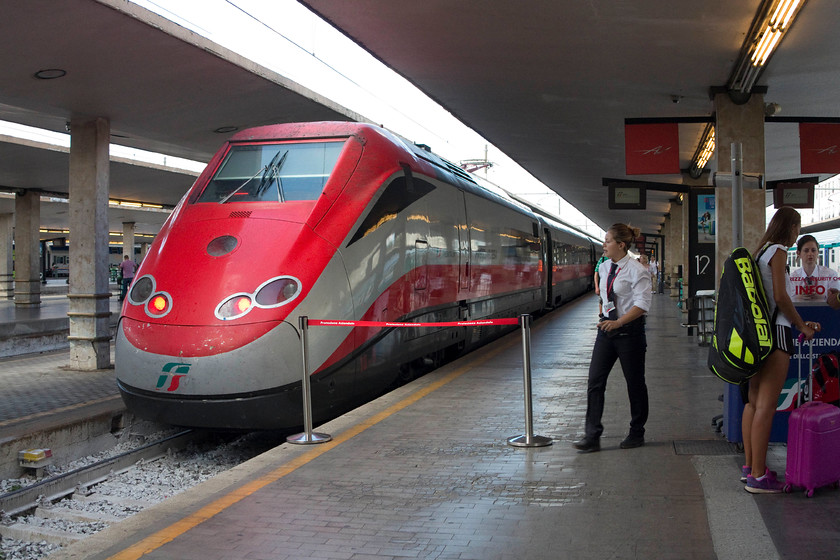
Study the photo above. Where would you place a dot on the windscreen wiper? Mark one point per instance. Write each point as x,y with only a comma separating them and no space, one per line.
272,173
240,187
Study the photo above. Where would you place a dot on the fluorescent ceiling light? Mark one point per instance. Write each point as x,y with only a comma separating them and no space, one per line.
773,20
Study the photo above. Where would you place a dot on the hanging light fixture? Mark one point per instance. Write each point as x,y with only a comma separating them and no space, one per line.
704,152
772,22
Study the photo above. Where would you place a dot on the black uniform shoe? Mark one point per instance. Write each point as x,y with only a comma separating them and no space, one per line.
587,445
632,441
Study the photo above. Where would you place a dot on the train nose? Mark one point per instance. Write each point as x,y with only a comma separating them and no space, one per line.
209,367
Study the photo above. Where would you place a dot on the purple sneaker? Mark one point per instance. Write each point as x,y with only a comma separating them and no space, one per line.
746,471
766,484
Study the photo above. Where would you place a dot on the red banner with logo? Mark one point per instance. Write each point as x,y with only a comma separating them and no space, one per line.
652,148
819,147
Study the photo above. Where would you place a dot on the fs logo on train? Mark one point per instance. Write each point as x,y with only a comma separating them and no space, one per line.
171,374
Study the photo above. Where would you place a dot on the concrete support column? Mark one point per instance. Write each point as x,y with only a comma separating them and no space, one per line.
675,244
684,258
89,295
7,286
128,240
743,124
144,250
27,242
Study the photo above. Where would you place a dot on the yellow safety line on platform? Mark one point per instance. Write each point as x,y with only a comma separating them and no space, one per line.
177,529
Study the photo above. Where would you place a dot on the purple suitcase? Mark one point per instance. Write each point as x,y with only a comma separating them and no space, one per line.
813,449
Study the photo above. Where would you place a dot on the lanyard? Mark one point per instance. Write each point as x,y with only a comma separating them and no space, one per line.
610,284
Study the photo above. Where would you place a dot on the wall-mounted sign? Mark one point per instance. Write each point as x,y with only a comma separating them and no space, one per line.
627,197
795,195
818,151
701,245
652,148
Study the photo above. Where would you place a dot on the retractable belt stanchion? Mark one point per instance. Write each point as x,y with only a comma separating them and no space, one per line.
308,436
528,439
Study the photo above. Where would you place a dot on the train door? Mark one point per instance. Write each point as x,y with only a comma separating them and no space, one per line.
417,247
548,267
420,270
463,247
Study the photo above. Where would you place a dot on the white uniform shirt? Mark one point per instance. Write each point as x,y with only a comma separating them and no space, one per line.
631,284
816,285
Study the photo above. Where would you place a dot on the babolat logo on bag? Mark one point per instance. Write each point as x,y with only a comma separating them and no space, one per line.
743,335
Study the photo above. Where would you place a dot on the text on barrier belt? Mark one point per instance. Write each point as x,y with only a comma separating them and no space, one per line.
341,323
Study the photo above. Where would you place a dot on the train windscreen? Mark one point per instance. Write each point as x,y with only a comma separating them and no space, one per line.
273,172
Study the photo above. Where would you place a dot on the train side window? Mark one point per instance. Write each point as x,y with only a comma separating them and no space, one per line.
394,199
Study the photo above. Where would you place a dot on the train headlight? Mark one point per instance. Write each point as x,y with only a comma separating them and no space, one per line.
143,292
140,290
242,304
277,291
234,307
159,305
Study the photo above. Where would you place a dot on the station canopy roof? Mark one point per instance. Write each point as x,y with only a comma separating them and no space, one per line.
549,82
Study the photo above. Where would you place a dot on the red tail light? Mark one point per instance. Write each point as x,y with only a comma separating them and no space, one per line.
159,305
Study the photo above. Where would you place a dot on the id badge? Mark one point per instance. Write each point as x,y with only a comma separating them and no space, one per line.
608,307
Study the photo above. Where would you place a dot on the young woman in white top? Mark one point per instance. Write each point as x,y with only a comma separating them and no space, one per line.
625,291
811,280
766,385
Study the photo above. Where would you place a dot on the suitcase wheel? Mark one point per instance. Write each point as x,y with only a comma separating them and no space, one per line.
788,488
810,493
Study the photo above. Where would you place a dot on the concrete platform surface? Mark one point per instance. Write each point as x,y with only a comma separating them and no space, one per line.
425,472
27,329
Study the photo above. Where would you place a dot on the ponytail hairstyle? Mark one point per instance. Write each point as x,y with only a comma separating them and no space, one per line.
783,228
622,233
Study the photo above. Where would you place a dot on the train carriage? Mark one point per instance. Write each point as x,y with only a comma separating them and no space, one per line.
329,221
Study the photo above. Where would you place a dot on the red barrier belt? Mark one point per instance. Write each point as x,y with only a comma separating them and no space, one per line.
482,322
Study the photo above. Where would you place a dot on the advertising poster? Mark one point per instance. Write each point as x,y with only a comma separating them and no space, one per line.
706,222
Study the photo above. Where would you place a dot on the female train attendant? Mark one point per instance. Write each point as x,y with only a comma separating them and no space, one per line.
812,280
625,290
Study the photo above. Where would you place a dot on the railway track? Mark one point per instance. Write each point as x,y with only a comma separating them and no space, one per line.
60,486
63,509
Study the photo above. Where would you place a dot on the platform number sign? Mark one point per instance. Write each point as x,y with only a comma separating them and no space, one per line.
702,263
702,230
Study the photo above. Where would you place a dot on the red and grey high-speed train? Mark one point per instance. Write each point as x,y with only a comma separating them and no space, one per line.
330,220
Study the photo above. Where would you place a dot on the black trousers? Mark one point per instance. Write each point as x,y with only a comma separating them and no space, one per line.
629,348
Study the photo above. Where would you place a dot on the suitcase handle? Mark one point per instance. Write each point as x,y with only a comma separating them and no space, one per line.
800,340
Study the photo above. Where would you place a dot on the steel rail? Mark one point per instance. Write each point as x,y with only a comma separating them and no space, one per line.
60,486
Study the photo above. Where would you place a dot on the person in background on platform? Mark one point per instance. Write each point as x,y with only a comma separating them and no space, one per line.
127,269
598,284
646,262
653,268
766,386
625,289
812,280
